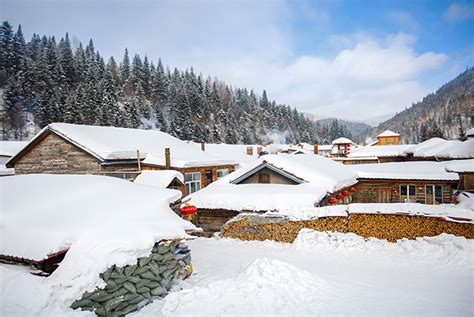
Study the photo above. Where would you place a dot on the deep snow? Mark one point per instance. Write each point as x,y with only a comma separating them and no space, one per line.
319,274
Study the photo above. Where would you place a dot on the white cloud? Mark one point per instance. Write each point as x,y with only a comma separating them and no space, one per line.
370,78
459,11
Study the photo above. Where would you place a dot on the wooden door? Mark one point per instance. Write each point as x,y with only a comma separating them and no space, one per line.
383,195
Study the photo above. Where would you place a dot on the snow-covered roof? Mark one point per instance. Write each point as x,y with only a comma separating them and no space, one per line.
430,147
230,152
318,176
342,141
457,150
42,214
470,132
325,147
456,213
160,179
387,133
111,143
405,171
380,151
435,147
10,148
460,166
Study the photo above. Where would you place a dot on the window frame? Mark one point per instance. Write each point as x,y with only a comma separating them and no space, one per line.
220,170
188,184
433,197
408,196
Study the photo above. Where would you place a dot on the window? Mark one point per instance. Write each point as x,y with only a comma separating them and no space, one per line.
408,193
208,177
221,173
434,194
192,182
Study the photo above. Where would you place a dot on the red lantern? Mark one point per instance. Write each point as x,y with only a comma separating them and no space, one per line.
332,200
346,193
188,211
352,190
339,197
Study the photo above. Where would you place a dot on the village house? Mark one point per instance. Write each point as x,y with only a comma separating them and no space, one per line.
402,182
465,170
62,148
275,182
387,138
435,149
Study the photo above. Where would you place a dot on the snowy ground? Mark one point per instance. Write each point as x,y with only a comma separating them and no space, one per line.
319,274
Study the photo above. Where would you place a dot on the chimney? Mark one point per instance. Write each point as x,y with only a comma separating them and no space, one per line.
259,149
249,150
203,147
167,158
315,149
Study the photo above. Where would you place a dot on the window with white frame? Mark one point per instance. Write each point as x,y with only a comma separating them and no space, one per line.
434,194
222,172
407,193
192,182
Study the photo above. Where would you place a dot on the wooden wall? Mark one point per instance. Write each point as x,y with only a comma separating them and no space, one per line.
54,155
466,181
388,140
274,178
379,191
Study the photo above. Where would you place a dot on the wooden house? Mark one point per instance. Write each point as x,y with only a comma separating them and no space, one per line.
465,170
275,183
435,149
387,138
62,148
417,182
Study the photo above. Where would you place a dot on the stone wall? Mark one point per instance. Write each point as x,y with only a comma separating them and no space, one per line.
382,226
131,287
54,155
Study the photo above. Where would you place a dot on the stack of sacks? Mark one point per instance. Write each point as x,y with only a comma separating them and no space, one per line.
131,287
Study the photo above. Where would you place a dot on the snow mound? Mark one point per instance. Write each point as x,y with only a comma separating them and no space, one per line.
265,287
446,247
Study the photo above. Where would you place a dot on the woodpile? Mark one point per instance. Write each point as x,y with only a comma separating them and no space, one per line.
131,287
248,228
383,226
395,227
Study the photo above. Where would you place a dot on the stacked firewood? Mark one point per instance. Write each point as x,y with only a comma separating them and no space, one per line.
283,231
382,226
131,287
395,227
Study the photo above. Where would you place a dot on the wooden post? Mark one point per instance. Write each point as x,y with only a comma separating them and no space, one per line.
139,162
167,158
315,149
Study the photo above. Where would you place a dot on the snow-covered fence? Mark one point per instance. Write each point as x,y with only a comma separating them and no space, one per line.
383,226
131,287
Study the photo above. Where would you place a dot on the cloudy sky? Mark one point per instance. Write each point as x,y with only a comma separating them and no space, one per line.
349,59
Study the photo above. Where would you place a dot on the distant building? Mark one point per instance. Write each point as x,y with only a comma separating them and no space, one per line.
387,138
341,147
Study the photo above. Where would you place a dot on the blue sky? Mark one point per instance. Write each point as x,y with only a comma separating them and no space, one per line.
349,59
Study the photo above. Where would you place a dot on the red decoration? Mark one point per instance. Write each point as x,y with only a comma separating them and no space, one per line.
332,200
188,210
339,196
346,193
352,190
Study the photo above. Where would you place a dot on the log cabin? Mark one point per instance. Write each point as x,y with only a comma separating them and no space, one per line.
403,182
62,148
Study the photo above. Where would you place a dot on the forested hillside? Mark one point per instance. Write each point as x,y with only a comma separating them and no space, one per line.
447,113
45,80
331,128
